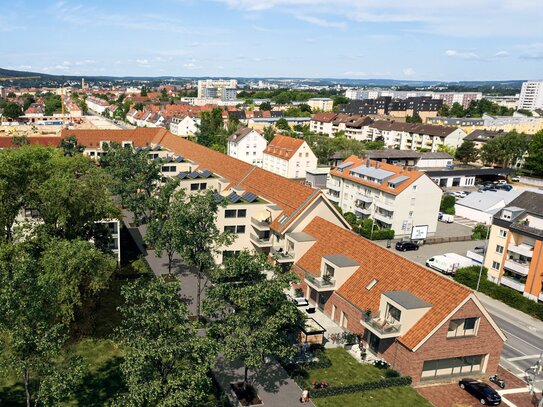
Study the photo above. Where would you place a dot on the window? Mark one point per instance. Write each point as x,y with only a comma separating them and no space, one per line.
229,254
499,249
230,213
239,229
502,233
462,327
371,284
410,214
329,270
452,366
393,314
198,186
495,265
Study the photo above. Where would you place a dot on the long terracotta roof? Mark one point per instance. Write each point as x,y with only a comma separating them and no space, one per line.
412,175
140,137
283,146
392,272
52,141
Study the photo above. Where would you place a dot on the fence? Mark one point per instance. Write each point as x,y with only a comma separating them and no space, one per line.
436,240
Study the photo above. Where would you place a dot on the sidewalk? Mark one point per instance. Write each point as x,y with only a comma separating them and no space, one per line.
274,386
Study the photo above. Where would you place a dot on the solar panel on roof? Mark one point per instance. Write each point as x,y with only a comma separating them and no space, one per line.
234,198
218,198
182,175
194,174
157,147
249,197
179,159
206,173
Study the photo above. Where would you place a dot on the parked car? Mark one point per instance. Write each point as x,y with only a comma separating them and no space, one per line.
515,179
505,187
300,302
446,218
406,246
460,194
482,391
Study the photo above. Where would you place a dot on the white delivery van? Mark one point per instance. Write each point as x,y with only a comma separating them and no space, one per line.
447,218
448,263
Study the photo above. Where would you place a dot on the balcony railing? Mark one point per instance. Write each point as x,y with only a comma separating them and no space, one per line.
380,326
260,224
383,218
333,198
523,249
281,256
517,266
389,206
320,283
261,241
364,198
512,283
333,187
363,211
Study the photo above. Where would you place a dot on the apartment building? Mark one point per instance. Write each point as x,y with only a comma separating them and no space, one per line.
423,324
262,208
213,88
518,122
96,104
185,125
514,255
393,196
411,136
463,98
247,145
353,126
324,104
289,157
531,95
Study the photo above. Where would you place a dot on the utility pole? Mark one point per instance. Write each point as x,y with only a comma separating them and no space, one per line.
484,254
536,371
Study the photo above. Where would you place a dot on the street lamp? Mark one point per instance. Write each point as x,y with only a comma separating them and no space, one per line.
485,247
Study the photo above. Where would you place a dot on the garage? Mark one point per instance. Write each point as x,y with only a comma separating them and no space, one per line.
452,366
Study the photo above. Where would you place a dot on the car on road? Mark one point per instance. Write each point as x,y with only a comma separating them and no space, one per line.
515,179
406,246
482,391
505,187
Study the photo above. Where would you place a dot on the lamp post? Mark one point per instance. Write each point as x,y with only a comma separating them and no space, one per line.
485,247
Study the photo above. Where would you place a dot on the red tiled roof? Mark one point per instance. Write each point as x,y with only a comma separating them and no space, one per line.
412,175
283,146
52,141
392,272
323,117
140,137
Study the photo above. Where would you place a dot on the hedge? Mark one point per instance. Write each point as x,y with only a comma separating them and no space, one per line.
360,387
469,275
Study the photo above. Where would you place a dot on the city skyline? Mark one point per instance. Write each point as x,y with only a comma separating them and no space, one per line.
409,40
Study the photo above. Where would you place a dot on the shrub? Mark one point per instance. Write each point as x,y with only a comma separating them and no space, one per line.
447,204
360,387
479,232
380,364
392,373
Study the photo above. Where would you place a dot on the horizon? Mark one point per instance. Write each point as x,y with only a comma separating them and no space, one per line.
309,39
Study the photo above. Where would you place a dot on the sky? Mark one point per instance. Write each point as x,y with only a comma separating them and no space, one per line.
444,40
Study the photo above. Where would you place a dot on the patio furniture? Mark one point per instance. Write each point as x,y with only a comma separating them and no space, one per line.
310,310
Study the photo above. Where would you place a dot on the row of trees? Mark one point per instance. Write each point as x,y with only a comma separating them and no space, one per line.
477,108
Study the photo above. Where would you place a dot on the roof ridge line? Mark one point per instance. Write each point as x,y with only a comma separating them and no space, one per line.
238,184
302,206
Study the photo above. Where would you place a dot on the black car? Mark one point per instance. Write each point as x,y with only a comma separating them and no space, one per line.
486,394
406,246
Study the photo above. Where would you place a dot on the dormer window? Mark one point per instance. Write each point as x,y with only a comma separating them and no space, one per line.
371,284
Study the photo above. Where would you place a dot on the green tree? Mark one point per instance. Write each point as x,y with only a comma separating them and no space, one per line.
32,334
135,178
269,133
12,110
53,104
447,149
71,146
28,101
139,106
340,100
506,150
282,124
11,95
413,119
534,162
210,127
252,316
457,110
166,362
447,204
163,230
164,95
444,111
467,152
265,106
199,239
143,91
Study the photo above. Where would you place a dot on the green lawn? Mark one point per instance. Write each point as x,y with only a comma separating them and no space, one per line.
345,370
391,397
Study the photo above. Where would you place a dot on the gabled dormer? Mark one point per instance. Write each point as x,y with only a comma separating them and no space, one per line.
398,312
335,269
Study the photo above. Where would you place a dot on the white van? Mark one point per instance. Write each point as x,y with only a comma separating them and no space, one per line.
448,263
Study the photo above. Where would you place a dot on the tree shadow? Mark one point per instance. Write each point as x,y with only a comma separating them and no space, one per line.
12,396
99,387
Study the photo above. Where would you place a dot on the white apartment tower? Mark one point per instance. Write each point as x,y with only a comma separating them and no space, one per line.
213,88
531,95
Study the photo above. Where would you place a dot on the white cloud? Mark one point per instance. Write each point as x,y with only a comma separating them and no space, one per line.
461,54
533,51
190,65
142,61
321,22
501,54
409,72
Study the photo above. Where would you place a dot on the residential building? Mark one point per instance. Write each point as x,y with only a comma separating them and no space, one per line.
275,207
481,206
247,145
289,157
410,158
353,126
465,177
510,102
213,88
480,137
531,95
412,136
518,122
463,98
423,324
185,125
393,196
96,104
323,104
514,256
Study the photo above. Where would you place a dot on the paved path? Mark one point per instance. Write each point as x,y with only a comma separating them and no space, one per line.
274,386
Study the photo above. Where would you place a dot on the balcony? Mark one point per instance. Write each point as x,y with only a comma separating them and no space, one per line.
383,218
478,257
512,283
523,249
388,206
517,266
333,187
333,198
259,224
319,283
260,241
364,198
363,211
381,327
281,256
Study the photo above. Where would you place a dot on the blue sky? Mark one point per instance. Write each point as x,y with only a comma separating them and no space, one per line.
399,39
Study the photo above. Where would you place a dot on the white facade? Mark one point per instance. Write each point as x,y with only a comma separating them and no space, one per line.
324,104
96,104
415,139
294,166
184,126
416,205
215,84
248,146
531,95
